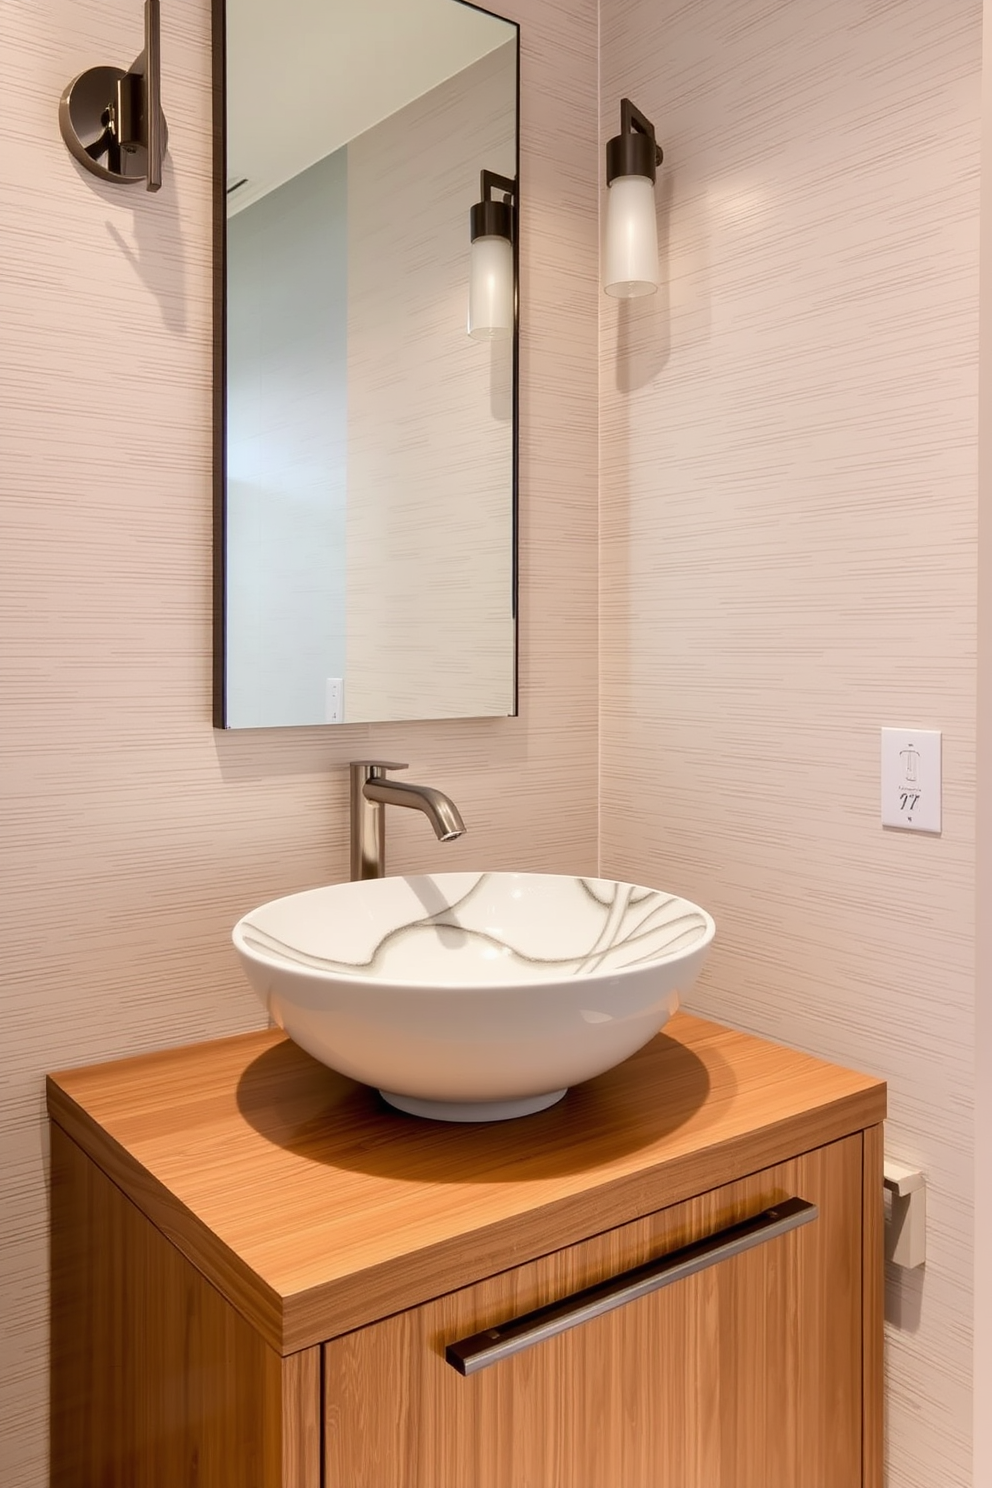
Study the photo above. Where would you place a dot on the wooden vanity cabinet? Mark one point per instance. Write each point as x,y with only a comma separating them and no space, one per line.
259,1273
744,1375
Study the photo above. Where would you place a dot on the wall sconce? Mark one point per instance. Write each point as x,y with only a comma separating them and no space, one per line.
491,287
111,120
630,262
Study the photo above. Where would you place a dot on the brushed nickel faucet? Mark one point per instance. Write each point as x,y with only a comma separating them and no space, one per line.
371,791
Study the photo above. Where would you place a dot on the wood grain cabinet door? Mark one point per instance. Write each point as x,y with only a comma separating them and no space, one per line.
745,1373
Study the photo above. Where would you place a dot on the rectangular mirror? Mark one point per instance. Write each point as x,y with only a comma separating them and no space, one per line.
365,441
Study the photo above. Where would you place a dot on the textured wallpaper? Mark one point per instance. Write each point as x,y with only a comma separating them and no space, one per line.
134,836
983,896
789,509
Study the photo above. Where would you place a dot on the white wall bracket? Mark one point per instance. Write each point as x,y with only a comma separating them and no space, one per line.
906,1215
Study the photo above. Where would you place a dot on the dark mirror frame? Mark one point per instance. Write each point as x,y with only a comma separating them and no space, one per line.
219,392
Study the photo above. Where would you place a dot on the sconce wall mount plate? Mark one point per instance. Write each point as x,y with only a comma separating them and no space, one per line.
111,119
634,151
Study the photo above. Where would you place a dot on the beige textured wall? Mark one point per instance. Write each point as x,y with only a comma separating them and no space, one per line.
983,898
789,509
133,834
430,603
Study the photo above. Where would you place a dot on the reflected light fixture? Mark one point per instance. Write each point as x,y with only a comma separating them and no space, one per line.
491,287
630,259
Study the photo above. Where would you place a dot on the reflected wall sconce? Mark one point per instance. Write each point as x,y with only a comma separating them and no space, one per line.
112,121
630,259
491,285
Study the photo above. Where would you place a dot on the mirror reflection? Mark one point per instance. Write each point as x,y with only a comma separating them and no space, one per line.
367,480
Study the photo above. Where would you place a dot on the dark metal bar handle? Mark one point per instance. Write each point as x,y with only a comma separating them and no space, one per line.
153,96
469,1355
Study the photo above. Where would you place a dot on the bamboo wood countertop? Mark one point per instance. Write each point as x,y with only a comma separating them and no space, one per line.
315,1209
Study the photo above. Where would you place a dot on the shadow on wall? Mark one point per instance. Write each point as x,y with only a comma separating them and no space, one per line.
644,326
904,1297
155,251
501,381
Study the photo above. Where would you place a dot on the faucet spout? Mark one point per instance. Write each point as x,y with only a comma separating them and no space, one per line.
371,792
439,809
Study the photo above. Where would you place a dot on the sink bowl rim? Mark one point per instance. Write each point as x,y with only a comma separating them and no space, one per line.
557,984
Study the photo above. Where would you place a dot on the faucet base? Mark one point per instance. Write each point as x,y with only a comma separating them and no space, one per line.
472,1110
368,828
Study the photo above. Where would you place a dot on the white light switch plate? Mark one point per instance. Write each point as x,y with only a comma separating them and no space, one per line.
334,700
911,779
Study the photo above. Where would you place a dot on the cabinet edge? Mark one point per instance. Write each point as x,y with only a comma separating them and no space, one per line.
873,1309
257,1303
302,1424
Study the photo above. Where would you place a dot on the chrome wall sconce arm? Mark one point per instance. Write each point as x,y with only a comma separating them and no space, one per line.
491,296
630,260
112,120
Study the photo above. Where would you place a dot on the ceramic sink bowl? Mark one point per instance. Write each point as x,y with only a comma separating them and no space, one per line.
473,996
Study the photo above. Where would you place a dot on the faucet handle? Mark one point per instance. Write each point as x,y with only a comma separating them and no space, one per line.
378,766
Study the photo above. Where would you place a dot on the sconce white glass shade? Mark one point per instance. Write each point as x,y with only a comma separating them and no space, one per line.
490,290
630,261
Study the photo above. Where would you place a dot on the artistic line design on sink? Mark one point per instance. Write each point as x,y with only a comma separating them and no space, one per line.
634,929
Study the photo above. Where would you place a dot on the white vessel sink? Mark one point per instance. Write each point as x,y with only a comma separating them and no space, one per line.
473,996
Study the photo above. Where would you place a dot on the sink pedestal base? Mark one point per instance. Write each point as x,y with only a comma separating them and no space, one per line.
504,1110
